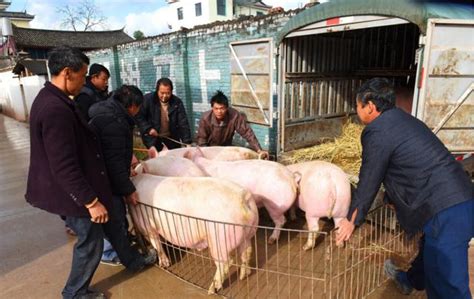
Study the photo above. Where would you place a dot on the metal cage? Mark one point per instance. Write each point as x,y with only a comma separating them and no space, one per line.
284,269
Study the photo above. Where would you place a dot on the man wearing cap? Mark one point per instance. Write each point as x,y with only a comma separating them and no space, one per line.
95,89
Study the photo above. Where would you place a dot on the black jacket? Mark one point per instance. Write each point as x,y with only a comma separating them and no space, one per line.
67,168
420,176
115,129
88,96
150,117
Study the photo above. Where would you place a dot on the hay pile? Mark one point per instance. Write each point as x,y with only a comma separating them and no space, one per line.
345,151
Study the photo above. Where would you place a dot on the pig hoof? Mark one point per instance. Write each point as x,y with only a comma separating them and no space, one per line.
271,241
307,247
215,287
164,263
244,272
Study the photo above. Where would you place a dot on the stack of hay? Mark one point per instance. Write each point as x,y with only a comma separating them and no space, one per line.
345,151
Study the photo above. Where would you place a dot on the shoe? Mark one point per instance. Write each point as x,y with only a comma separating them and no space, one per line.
399,277
91,295
150,258
113,262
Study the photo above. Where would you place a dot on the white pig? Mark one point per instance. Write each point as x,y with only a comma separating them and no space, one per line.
202,198
170,166
223,153
271,183
325,191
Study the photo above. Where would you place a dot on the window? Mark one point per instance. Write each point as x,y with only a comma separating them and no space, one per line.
221,7
259,13
198,9
180,13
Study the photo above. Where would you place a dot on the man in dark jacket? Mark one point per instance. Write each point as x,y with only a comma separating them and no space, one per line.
218,125
95,89
429,189
113,121
67,174
162,117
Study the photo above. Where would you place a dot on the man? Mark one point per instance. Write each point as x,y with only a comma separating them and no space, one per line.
67,174
113,121
428,188
95,89
163,117
218,125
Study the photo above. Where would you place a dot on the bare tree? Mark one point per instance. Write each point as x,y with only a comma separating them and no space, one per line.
83,15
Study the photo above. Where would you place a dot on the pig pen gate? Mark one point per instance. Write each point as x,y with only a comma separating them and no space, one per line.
284,269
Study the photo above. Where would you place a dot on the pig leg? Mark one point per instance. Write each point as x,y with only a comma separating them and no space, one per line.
164,262
278,218
221,272
245,250
279,221
313,227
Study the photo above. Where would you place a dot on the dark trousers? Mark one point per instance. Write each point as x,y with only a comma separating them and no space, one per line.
116,231
416,274
445,254
86,255
169,143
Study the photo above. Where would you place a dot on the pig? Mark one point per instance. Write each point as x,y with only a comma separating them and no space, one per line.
170,166
272,184
222,153
324,191
197,197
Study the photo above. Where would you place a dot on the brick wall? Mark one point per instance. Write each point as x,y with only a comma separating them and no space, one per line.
198,62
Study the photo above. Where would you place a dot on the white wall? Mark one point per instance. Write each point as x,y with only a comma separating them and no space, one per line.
17,95
209,13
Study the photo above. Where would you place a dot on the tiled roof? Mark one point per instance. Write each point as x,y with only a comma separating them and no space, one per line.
16,15
84,40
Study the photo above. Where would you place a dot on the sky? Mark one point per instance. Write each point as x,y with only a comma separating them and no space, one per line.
148,16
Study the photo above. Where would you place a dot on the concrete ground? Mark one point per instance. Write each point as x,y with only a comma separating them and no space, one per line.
35,251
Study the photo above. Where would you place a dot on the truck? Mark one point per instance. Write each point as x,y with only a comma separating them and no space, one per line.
426,49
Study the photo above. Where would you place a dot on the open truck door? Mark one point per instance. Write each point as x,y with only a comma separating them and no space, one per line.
446,83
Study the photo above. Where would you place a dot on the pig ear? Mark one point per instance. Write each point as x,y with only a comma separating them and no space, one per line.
152,152
139,168
297,177
188,155
144,167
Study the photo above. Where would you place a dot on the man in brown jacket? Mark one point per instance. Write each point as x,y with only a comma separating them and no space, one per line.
218,125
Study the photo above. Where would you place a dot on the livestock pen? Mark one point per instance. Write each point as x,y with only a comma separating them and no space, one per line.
284,269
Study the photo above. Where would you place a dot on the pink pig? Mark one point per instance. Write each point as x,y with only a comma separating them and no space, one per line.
170,166
271,183
325,191
195,197
222,153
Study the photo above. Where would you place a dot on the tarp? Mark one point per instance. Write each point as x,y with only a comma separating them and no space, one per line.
417,12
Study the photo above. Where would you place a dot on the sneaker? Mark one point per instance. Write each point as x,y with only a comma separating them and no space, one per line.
150,258
113,262
399,277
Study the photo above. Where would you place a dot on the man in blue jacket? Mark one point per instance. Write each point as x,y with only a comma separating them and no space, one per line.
67,174
429,189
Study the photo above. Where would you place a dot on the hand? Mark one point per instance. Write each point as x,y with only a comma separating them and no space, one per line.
153,132
345,229
152,152
132,198
98,213
263,155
